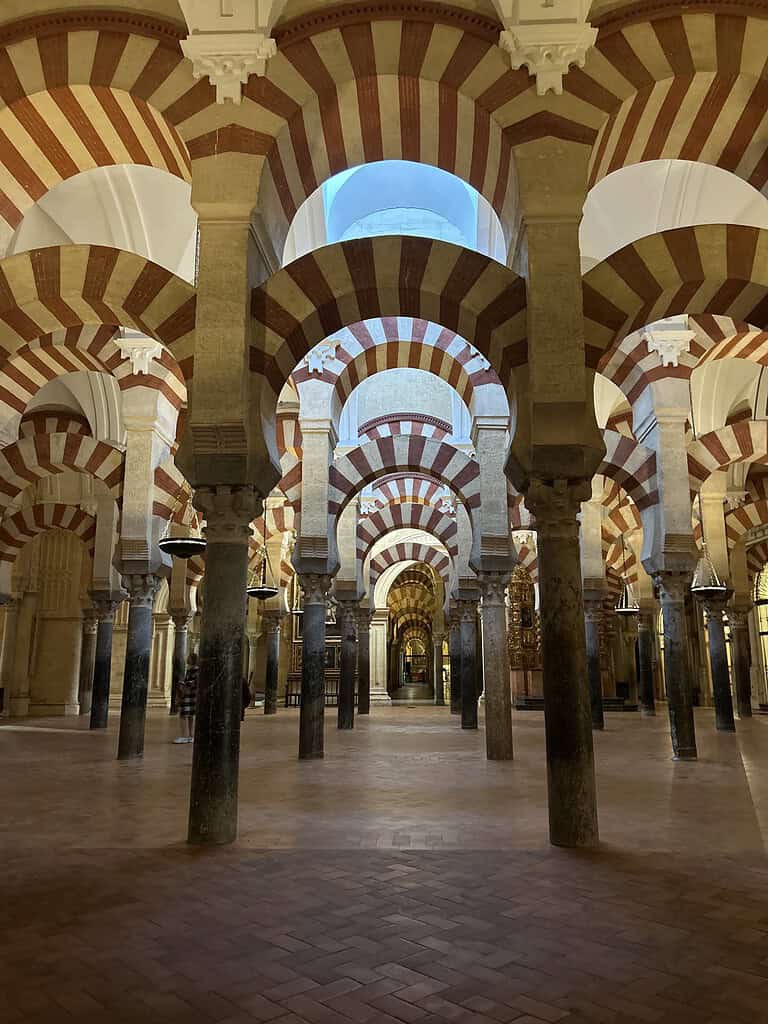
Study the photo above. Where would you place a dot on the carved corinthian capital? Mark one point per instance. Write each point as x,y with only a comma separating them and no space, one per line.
555,505
228,512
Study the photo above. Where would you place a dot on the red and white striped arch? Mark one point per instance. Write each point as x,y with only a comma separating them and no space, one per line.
45,292
171,493
410,551
632,466
743,518
373,527
33,458
746,441
290,450
409,488
54,423
18,529
342,284
687,84
401,342
713,268
757,558
349,474
526,556
398,424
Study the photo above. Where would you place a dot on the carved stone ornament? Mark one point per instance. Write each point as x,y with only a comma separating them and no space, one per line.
548,37
140,352
735,499
321,354
230,40
315,587
228,513
142,588
669,339
493,588
368,506
106,603
347,618
555,505
467,611
672,586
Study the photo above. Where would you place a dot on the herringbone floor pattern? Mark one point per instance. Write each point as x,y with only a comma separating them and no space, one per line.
652,928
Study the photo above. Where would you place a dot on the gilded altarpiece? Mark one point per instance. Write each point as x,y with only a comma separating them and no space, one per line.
523,636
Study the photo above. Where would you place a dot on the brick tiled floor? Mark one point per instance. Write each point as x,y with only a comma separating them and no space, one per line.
403,879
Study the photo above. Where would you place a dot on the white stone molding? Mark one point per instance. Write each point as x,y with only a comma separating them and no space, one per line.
547,36
447,504
139,350
229,40
321,354
669,339
368,506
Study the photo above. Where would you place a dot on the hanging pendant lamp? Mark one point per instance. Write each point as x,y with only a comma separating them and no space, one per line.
627,603
181,547
706,585
259,588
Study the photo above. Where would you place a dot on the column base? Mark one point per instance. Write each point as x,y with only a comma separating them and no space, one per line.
648,712
380,697
725,728
18,707
53,710
686,754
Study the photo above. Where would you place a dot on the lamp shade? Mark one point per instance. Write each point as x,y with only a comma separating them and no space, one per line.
258,587
706,584
627,603
182,547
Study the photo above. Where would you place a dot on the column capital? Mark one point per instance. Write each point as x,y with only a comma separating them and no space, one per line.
182,620
466,610
364,618
738,617
106,603
347,618
555,505
315,587
142,589
272,620
438,639
672,585
228,512
493,587
594,612
90,620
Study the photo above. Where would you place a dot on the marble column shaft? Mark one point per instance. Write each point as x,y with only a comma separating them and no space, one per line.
498,694
142,588
348,668
593,617
228,512
629,639
87,660
742,683
454,657
312,713
272,625
718,660
11,704
102,668
437,669
570,759
364,661
468,634
645,642
673,587
181,622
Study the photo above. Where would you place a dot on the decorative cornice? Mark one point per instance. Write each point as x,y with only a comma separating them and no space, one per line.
654,10
400,417
93,20
344,15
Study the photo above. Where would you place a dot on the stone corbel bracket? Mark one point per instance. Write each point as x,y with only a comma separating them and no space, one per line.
669,339
229,40
547,36
139,350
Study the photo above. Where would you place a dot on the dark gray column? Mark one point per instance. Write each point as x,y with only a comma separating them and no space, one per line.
437,668
628,629
347,613
498,694
570,759
8,662
181,622
142,588
87,660
593,617
272,622
454,656
673,587
312,713
105,606
228,512
364,616
718,660
742,681
645,644
468,634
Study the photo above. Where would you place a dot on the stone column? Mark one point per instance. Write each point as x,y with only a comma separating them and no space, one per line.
347,612
468,637
629,639
742,682
272,623
593,618
454,655
105,607
87,660
437,668
312,713
364,661
645,642
570,760
15,705
228,512
498,696
142,588
718,660
672,587
181,622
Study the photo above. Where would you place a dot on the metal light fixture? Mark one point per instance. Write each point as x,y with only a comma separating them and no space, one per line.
258,586
706,585
181,547
627,603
